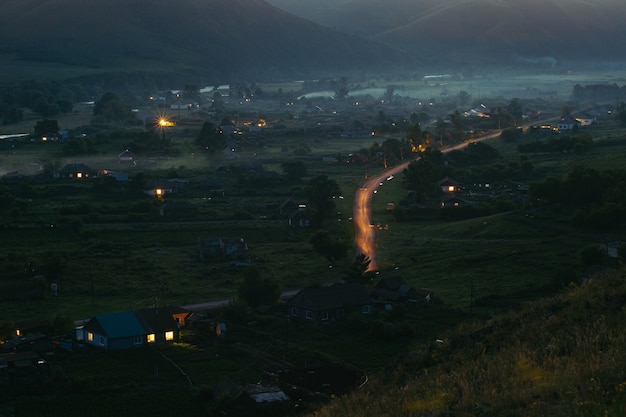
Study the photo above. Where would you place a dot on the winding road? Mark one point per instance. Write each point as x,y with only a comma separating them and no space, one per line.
365,233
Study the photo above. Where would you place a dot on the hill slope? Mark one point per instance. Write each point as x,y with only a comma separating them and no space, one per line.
472,30
220,37
558,357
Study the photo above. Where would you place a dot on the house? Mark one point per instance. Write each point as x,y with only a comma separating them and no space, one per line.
300,218
453,201
126,157
287,207
158,188
319,304
178,209
449,186
234,249
394,289
75,170
121,330
130,329
584,119
23,368
567,123
117,176
181,315
32,325
159,324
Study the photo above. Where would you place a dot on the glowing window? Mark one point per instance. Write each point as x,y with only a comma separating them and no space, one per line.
151,338
79,175
169,335
90,336
450,188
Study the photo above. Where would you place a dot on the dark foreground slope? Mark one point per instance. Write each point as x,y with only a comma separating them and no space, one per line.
221,38
559,357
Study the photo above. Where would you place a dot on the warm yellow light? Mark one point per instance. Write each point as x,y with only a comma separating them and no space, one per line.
450,188
169,335
79,175
90,336
18,332
159,192
151,338
162,122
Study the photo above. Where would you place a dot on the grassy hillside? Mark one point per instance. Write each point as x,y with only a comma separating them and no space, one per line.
559,357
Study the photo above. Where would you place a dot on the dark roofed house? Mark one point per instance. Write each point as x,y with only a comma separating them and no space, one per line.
449,186
76,170
234,249
394,289
329,303
160,325
300,218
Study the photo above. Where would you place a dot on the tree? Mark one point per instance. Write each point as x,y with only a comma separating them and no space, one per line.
441,129
45,127
256,290
413,134
511,134
320,192
326,245
515,109
110,107
358,270
420,176
43,106
457,122
211,140
621,114
464,98
191,91
65,106
295,170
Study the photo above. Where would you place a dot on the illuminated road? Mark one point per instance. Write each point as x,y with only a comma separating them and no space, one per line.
365,232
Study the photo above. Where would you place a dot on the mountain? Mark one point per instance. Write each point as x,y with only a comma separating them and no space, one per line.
219,38
481,30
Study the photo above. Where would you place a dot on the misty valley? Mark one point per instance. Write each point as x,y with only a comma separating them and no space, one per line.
255,208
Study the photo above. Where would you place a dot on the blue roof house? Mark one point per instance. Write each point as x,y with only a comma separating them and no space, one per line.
131,329
120,330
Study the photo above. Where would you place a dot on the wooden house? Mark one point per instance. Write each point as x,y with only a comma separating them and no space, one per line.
76,171
330,303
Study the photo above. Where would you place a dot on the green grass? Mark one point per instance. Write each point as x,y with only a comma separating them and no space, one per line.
555,357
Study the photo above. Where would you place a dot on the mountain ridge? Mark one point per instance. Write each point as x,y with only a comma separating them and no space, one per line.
220,37
467,31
